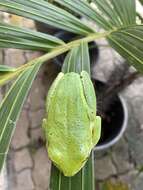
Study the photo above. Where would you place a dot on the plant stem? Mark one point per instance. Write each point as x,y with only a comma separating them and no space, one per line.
55,52
64,48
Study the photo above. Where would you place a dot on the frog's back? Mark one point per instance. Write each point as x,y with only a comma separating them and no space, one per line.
68,127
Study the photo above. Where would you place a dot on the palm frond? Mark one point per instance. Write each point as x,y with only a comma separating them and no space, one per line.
131,35
6,76
5,69
82,181
11,106
21,38
77,59
108,14
47,13
128,42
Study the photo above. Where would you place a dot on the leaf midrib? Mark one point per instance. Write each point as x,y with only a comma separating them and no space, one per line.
13,105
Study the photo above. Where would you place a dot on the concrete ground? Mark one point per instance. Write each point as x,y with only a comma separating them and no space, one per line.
28,166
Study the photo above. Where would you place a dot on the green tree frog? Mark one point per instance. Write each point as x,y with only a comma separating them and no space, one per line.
71,126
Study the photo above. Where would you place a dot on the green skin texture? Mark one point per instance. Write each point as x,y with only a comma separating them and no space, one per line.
71,128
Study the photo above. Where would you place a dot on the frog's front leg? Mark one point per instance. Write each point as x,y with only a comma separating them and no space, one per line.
96,133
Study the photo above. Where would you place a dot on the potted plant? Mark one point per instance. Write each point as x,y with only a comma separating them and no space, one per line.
119,28
112,105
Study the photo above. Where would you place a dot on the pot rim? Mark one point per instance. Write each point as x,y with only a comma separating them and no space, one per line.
123,128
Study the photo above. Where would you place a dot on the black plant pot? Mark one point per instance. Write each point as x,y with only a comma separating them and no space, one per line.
45,28
48,29
114,122
67,37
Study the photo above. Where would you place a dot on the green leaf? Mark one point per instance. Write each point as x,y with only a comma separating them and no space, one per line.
109,14
128,42
5,77
11,106
84,180
77,59
84,59
15,37
47,13
131,35
5,68
70,61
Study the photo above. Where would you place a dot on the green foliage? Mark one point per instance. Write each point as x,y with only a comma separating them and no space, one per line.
82,181
11,106
45,12
5,68
77,60
116,17
15,37
109,14
128,42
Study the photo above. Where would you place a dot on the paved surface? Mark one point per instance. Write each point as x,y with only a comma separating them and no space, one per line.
28,164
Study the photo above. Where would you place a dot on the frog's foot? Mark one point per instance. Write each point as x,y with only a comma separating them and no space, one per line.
96,130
